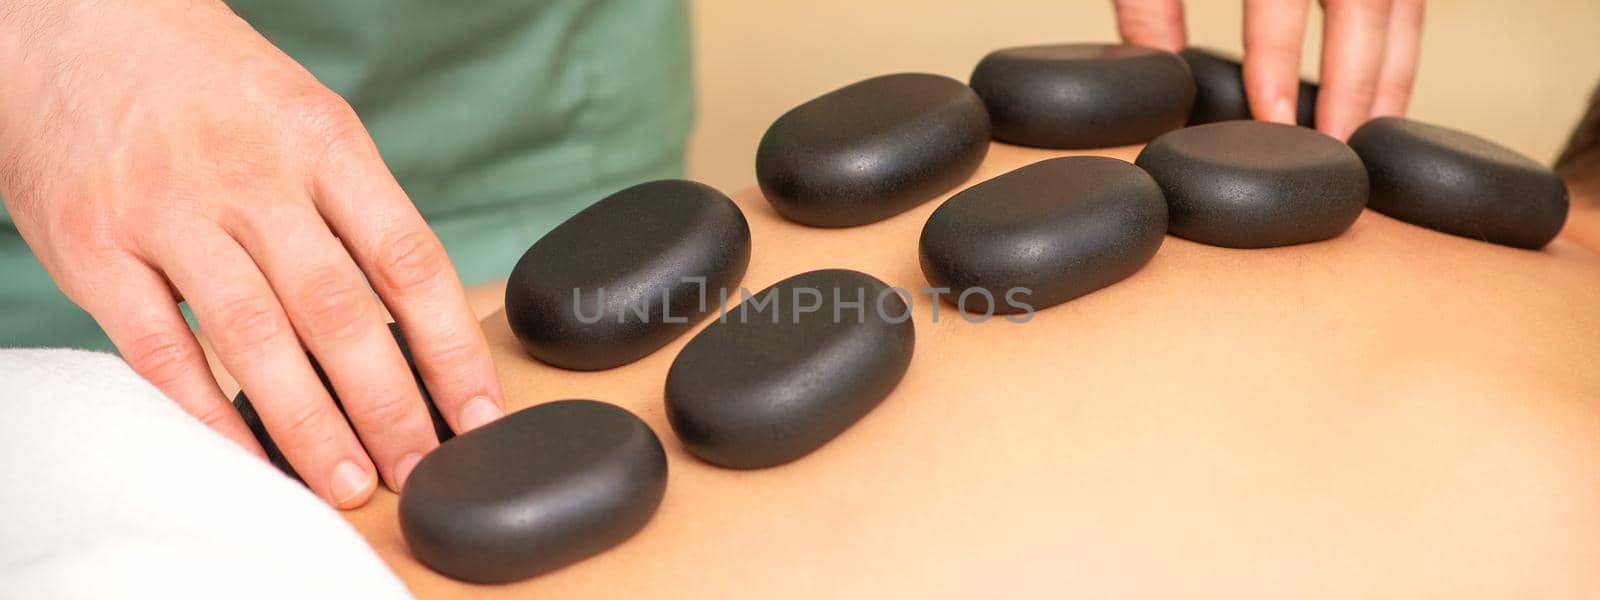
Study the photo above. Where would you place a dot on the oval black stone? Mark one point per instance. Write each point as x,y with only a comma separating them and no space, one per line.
1219,90
536,490
789,369
252,419
1083,95
1457,183
872,149
1059,228
625,276
1253,184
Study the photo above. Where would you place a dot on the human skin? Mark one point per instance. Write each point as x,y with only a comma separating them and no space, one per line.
1394,412
162,150
1369,54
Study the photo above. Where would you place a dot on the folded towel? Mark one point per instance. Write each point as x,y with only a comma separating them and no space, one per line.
109,489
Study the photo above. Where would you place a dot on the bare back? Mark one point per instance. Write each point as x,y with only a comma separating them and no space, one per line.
1394,412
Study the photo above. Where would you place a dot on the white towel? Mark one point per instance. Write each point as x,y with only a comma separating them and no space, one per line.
109,489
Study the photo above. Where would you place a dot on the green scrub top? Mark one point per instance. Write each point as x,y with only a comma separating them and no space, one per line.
500,118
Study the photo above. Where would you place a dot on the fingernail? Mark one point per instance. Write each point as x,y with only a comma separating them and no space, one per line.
1283,111
402,469
478,412
350,483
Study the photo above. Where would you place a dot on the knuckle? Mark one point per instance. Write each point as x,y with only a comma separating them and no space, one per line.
324,115
1359,90
454,358
307,428
162,358
214,415
383,408
411,260
89,263
1395,89
247,325
84,225
245,158
92,279
333,305
269,221
156,179
178,199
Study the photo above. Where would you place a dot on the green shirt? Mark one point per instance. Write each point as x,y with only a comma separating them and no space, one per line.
500,118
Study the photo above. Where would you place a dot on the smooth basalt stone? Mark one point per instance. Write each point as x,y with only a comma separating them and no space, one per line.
774,381
625,276
1058,228
1253,184
1219,90
1460,184
274,455
872,149
1083,95
534,491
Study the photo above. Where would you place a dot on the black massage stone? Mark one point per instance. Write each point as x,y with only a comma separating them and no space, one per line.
1460,184
275,455
1219,90
1083,95
625,276
534,491
1058,228
872,149
1253,184
774,381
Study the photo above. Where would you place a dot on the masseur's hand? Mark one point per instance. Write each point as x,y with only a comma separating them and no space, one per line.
1369,54
160,150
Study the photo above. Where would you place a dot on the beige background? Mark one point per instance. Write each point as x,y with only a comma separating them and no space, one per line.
1517,72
